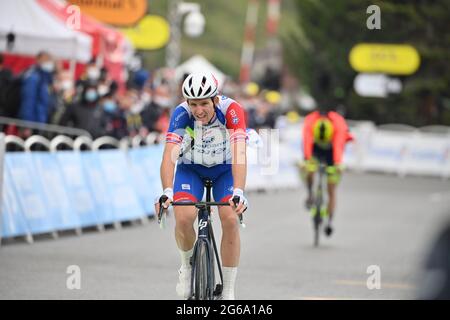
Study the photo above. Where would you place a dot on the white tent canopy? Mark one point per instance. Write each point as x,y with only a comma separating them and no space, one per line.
198,63
36,29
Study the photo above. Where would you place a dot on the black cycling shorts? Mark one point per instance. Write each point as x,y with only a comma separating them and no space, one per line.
325,155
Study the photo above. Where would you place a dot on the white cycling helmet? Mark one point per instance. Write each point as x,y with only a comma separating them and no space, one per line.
200,86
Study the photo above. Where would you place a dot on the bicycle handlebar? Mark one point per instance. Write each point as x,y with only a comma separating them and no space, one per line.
198,205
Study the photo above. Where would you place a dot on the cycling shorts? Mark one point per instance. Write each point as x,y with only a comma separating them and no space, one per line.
189,186
326,156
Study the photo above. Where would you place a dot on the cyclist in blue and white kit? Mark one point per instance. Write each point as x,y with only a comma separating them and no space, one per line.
207,135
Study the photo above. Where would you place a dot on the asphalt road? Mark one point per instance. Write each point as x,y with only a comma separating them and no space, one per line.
381,221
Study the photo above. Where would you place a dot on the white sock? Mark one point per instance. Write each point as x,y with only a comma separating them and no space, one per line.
229,279
329,220
186,257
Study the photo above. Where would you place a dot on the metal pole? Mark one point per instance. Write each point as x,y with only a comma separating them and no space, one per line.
173,50
248,47
273,43
273,17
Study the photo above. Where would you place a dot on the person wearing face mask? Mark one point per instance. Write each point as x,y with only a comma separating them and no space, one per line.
91,77
157,113
93,73
63,92
116,124
105,84
34,94
132,107
87,113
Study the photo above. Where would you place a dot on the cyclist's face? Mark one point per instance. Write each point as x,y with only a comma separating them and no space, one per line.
202,109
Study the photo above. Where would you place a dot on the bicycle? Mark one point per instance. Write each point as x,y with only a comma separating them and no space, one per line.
203,280
319,209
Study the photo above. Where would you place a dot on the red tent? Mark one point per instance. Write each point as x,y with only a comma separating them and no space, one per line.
109,46
35,29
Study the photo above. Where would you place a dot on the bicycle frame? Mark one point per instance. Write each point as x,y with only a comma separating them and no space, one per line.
319,195
319,202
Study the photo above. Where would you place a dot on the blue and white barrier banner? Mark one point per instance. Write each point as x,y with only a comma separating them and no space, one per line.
291,136
13,223
350,157
116,172
45,192
255,180
97,185
77,187
288,175
427,155
29,192
151,165
272,163
355,150
144,164
59,205
386,150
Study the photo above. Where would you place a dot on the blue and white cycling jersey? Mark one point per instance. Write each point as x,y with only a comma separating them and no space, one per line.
212,141
206,149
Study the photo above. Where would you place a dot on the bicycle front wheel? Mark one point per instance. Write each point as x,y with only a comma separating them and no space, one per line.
203,274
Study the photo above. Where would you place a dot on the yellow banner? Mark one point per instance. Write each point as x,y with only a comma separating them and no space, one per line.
152,32
122,13
399,59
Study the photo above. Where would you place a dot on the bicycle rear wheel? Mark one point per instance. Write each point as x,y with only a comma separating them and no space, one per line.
316,223
203,274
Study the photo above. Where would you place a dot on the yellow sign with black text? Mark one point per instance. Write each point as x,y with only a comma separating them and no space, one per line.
398,59
122,13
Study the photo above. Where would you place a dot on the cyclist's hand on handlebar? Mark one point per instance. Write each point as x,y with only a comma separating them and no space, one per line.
242,205
165,199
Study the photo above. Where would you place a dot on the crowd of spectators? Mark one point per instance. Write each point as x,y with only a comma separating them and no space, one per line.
47,93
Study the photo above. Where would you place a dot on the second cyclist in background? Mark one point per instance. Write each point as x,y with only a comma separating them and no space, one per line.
325,134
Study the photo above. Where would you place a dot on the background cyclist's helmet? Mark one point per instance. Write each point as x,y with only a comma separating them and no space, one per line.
200,86
323,131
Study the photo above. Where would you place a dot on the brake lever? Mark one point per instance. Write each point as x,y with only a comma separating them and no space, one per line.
236,200
162,200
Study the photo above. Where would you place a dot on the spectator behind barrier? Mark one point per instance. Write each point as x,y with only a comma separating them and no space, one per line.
6,79
35,97
115,121
263,113
132,107
106,85
86,114
63,91
90,77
